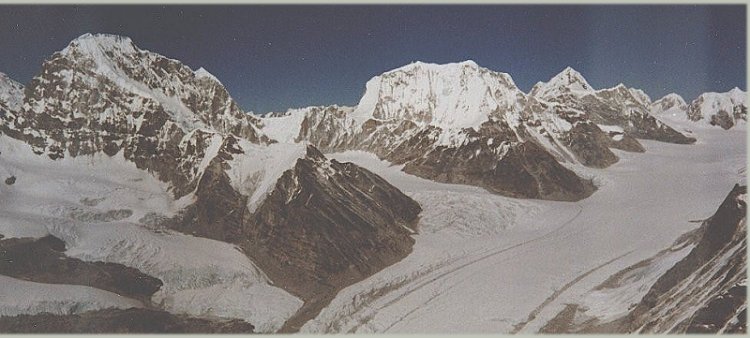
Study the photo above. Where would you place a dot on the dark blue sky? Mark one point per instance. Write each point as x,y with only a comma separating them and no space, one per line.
275,57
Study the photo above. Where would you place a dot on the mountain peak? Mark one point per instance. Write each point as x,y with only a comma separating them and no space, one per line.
203,73
571,78
672,97
93,43
450,96
568,80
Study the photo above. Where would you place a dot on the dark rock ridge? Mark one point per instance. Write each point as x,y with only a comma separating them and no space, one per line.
324,226
43,261
712,277
704,292
120,321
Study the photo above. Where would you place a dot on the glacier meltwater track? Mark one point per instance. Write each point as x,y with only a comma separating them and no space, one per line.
484,263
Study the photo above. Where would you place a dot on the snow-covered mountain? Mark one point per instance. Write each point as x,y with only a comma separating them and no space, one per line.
462,123
455,123
724,110
621,107
102,104
720,109
671,105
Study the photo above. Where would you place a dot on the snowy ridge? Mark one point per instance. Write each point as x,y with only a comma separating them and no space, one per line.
203,73
256,174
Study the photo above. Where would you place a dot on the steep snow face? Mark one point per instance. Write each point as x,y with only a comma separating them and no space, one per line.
569,81
671,105
720,109
11,95
450,96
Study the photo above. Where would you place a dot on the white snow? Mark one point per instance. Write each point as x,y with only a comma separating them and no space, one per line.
450,96
469,274
202,277
711,103
203,73
611,303
607,128
285,128
671,105
23,297
568,81
255,174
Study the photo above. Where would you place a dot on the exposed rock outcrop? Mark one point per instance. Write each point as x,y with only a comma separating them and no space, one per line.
44,261
120,321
